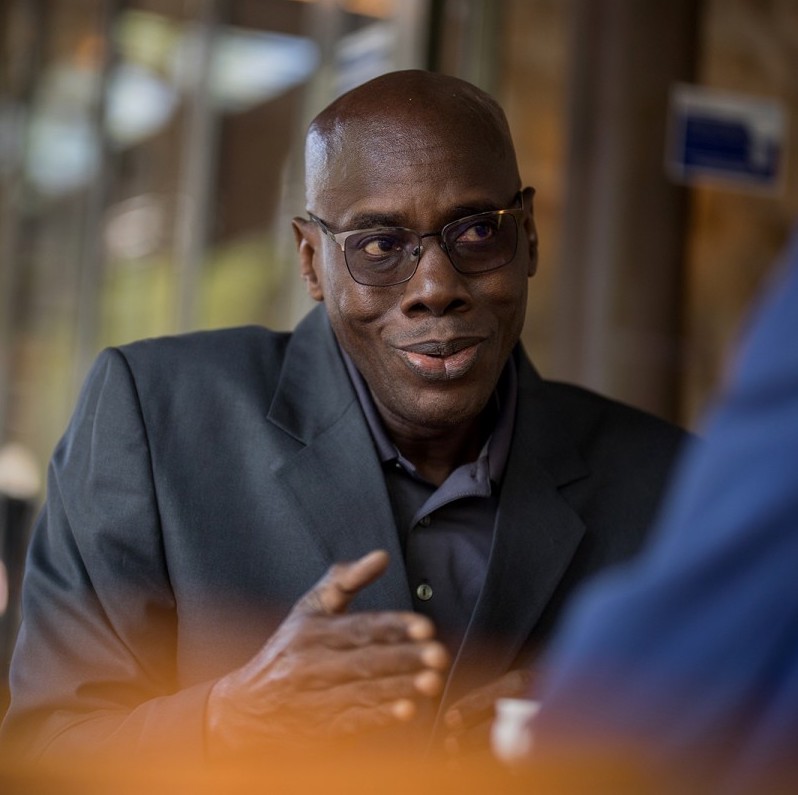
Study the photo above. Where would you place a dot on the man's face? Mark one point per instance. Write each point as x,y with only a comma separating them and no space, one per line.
431,349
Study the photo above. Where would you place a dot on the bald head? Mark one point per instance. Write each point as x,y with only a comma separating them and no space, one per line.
404,114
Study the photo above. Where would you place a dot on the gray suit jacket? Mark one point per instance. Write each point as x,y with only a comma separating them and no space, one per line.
206,481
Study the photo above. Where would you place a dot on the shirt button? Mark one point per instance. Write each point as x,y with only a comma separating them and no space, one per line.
424,521
424,592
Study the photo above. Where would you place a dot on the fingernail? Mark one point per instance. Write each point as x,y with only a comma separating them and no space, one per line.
404,709
428,682
420,628
435,656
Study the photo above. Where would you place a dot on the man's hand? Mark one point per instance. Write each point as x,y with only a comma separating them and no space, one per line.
325,673
468,721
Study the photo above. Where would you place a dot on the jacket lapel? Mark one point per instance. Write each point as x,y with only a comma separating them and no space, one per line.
333,475
536,536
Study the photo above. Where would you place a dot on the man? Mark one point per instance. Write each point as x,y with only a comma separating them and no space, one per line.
684,665
175,586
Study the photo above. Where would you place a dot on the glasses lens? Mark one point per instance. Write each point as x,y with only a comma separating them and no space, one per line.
482,242
380,257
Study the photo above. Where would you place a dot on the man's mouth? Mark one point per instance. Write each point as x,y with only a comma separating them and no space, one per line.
441,360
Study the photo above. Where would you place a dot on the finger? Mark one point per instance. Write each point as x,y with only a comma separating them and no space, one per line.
363,629
362,572
323,671
358,719
336,589
468,711
468,743
475,738
377,692
322,705
478,705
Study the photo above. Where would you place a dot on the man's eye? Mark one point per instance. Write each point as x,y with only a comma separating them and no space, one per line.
480,232
379,246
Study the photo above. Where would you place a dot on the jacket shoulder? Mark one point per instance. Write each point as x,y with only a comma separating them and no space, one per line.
624,446
206,360
223,344
589,413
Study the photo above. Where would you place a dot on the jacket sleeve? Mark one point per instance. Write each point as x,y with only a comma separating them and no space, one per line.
95,662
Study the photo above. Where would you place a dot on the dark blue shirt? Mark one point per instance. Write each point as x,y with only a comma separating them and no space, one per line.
446,531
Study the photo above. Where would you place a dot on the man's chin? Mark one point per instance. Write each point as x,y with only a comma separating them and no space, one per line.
434,412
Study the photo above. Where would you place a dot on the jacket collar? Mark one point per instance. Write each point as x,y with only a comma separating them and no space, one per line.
537,534
332,470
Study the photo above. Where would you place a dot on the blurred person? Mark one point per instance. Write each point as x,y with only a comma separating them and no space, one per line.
683,664
399,439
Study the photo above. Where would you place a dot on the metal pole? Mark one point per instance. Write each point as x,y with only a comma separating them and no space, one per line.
198,169
618,318
22,46
479,57
91,265
412,20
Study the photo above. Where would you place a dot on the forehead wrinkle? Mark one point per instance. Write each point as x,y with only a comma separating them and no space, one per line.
424,149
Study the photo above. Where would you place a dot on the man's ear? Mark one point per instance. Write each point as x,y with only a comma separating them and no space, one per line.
530,232
306,237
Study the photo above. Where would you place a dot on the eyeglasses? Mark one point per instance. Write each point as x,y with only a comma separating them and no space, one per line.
389,255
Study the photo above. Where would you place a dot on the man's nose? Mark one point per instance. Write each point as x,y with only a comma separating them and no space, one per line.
432,239
436,286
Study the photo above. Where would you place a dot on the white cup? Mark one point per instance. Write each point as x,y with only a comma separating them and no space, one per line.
511,732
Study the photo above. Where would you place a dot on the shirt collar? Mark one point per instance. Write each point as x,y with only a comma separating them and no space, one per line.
494,452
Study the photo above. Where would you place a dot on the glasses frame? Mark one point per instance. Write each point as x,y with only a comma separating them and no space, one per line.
339,238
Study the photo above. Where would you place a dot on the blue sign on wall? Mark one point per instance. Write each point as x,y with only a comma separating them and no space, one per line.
715,136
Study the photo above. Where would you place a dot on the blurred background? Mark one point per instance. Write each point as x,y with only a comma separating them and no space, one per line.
150,162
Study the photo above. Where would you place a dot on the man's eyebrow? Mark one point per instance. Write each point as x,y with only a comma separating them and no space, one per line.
484,207
372,220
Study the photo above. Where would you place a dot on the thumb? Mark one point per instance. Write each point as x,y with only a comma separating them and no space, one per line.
342,582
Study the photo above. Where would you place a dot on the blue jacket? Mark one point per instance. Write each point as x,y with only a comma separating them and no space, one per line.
687,658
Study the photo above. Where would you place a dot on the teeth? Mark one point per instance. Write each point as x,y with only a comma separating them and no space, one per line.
440,353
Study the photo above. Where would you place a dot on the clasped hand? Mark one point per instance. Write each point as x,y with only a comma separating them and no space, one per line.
326,673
